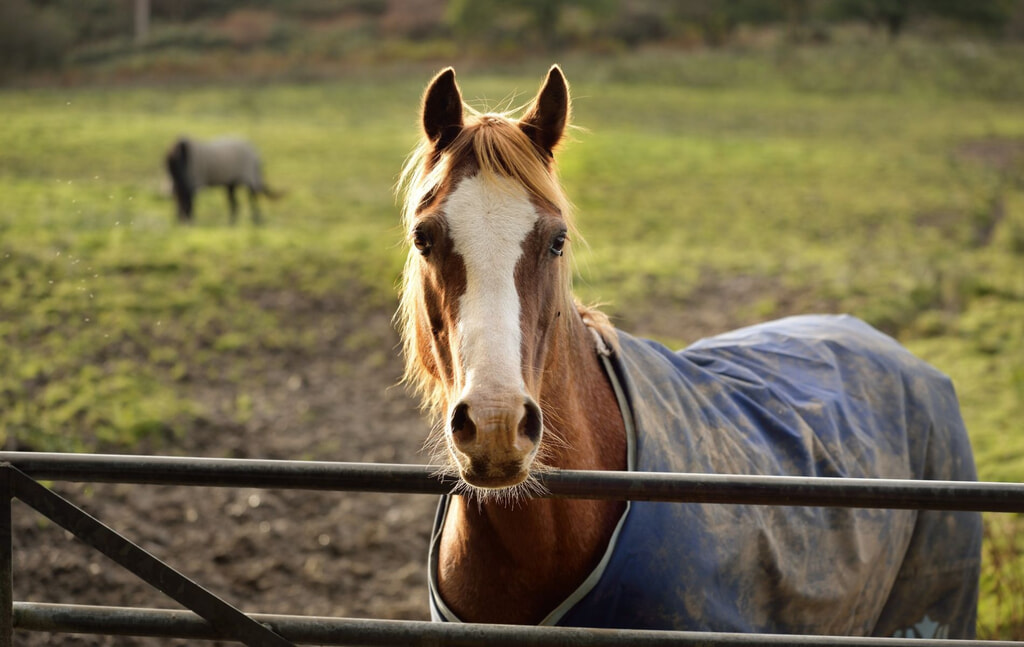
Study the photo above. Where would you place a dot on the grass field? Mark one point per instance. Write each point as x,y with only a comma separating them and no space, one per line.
715,190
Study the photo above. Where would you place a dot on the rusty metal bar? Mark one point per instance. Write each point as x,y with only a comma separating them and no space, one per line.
420,479
383,633
230,622
790,490
228,472
6,558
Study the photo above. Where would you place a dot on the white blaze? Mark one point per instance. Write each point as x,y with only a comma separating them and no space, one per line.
488,220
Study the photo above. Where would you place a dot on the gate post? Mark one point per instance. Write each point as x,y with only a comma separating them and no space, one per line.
6,559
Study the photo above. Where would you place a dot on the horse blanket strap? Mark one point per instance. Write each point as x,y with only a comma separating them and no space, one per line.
814,395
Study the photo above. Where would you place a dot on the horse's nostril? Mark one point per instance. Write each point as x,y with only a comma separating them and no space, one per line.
463,428
531,424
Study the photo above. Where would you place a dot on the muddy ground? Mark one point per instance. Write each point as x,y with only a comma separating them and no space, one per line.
294,552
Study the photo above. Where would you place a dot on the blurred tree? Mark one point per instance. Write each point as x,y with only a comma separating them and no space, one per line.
637,22
141,21
717,21
541,23
894,15
32,36
987,15
531,22
93,20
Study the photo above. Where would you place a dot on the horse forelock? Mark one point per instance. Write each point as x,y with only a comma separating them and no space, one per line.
492,145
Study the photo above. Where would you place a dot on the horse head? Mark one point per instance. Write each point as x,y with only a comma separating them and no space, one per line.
488,277
177,161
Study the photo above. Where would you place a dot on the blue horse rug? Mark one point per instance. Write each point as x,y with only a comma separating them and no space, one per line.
815,395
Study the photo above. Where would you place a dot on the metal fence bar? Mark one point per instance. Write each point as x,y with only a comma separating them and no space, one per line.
381,633
158,470
790,490
232,623
419,479
229,472
6,558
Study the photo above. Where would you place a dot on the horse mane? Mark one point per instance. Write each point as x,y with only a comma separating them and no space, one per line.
496,147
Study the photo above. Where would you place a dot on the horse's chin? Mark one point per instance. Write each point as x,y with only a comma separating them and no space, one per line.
493,477
488,482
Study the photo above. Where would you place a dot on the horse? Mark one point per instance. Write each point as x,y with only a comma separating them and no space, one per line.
226,161
519,377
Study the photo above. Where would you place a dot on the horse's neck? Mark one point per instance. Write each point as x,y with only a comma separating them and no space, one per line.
514,563
580,408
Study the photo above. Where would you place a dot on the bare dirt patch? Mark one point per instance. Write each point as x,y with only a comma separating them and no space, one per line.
999,153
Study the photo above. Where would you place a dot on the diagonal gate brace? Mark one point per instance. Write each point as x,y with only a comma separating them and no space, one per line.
228,620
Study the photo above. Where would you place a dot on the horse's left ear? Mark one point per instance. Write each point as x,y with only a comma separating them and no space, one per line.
546,119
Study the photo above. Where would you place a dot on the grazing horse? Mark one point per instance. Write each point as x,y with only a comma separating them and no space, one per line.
520,377
226,161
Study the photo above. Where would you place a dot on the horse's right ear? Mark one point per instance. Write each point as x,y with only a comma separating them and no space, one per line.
442,110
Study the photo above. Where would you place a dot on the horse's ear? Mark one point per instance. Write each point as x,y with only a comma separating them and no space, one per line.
442,110
547,118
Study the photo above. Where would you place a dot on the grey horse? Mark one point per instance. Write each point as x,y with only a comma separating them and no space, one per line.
226,161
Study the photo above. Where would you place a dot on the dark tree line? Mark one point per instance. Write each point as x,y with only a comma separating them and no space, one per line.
40,33
894,15
548,23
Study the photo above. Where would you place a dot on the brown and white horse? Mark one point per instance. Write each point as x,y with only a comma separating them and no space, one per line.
497,346
511,367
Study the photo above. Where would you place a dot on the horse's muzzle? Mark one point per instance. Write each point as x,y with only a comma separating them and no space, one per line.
495,440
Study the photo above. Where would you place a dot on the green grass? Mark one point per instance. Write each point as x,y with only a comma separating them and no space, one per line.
850,191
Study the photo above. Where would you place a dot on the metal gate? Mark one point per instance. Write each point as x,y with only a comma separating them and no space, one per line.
211,618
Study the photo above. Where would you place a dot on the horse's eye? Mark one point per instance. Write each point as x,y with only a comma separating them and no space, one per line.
558,244
421,241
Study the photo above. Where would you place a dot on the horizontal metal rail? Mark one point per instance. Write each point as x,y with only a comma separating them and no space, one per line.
422,479
379,633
